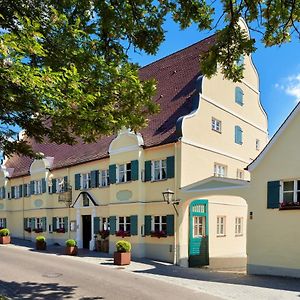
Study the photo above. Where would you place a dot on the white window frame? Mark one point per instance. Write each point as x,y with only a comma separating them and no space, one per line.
37,187
197,226
2,222
123,169
126,223
216,125
240,174
238,228
103,178
17,191
160,166
104,223
60,224
25,188
59,185
221,226
38,222
162,223
217,170
257,144
295,190
85,181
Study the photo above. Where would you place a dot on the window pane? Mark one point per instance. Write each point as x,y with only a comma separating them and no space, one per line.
156,219
288,197
288,186
298,185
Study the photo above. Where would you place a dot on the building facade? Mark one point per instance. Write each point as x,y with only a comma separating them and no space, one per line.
206,127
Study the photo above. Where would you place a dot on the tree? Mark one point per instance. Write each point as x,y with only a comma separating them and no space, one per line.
64,66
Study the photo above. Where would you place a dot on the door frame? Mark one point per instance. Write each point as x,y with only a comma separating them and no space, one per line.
190,230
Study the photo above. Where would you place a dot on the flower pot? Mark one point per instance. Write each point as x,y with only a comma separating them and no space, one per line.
40,245
5,239
104,246
71,250
122,258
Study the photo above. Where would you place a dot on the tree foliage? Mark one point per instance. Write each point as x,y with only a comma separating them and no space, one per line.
65,70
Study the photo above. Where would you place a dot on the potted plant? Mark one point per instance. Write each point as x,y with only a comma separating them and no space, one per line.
40,243
123,255
4,236
71,247
122,233
159,234
104,243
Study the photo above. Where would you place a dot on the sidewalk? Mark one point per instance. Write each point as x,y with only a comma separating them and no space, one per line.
221,284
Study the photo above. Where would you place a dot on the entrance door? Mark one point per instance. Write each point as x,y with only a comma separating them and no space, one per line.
198,234
86,231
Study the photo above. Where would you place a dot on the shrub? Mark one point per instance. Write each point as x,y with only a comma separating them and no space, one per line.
4,232
123,246
71,243
40,239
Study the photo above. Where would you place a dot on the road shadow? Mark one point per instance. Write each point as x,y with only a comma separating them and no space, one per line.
201,274
34,290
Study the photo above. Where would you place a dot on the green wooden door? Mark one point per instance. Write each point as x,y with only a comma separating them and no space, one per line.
198,233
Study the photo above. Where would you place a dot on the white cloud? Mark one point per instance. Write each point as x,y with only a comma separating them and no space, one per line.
291,86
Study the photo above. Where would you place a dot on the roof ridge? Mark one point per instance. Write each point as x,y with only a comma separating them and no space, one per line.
178,51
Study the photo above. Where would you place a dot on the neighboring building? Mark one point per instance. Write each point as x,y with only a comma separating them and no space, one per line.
206,127
274,204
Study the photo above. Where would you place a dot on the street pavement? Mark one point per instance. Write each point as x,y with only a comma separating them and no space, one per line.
28,274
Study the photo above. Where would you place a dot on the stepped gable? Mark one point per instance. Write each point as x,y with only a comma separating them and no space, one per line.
175,74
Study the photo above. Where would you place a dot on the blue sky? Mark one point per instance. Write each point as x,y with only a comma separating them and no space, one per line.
278,67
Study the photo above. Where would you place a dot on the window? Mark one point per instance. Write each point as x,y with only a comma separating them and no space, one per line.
59,185
216,125
124,224
17,191
2,222
25,190
220,170
38,223
2,192
238,226
104,223
37,187
159,169
221,226
159,223
240,174
124,172
104,178
257,144
60,223
290,192
85,181
198,226
238,135
239,96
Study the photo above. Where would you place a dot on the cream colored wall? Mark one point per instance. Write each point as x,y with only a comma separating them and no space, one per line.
273,235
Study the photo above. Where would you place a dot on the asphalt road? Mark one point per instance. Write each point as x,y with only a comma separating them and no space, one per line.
34,275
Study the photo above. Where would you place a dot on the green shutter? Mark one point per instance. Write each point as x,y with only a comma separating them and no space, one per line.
273,194
134,225
77,181
239,96
43,185
96,225
12,192
44,224
112,224
54,224
147,229
134,170
25,189
148,170
53,190
31,187
238,138
170,166
66,184
170,224
25,223
32,223
66,224
112,174
4,223
94,178
21,190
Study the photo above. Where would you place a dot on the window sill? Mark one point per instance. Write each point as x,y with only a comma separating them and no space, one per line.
159,180
103,186
217,131
124,182
239,235
220,236
289,207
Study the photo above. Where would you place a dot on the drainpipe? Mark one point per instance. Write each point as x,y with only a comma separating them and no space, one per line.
23,204
175,218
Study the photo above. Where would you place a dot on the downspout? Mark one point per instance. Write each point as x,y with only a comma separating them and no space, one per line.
175,216
23,210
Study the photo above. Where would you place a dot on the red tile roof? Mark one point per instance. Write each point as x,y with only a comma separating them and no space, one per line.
176,75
